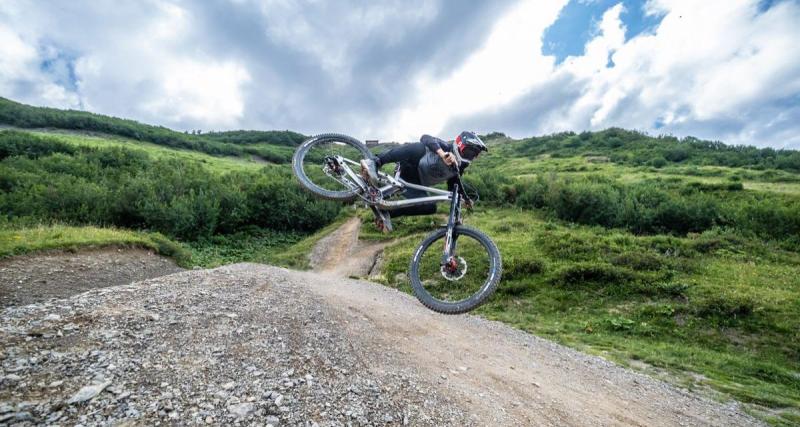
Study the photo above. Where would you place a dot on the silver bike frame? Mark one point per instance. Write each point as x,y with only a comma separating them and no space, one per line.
396,184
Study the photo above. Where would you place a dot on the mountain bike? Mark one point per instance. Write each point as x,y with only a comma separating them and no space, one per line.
455,268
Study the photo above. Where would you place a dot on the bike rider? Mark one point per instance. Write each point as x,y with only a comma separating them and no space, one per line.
428,162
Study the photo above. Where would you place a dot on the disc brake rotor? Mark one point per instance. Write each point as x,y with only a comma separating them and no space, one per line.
456,272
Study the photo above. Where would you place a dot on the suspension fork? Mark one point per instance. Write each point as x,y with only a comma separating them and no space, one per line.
448,256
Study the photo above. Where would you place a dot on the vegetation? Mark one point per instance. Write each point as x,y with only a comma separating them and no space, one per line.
44,180
261,144
637,149
23,240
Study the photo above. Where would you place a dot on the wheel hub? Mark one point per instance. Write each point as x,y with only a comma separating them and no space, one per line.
454,269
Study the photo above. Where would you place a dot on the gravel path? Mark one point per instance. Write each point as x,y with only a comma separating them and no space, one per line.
259,345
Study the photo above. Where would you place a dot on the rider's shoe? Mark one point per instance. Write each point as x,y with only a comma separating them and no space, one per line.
383,221
369,171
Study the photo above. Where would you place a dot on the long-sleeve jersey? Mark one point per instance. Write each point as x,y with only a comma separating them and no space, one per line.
432,168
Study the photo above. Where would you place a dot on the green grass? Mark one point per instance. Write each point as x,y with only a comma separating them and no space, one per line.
259,246
714,304
61,237
212,163
762,181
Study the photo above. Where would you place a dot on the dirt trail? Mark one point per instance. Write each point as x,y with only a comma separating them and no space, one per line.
341,254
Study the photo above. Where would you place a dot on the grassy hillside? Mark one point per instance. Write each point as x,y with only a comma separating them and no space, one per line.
272,146
670,255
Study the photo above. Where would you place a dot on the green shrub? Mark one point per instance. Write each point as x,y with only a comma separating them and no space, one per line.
516,267
727,308
14,143
639,261
116,186
586,273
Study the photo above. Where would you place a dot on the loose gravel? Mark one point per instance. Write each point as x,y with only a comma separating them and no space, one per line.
241,344
250,344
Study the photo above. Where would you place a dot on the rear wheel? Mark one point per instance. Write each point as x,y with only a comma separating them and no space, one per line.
465,281
315,165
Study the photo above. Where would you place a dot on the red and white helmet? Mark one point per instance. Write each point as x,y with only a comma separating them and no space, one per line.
469,145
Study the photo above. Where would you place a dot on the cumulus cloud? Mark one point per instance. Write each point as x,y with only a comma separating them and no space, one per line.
719,70
726,69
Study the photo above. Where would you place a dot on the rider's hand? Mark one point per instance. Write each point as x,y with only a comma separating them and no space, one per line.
449,158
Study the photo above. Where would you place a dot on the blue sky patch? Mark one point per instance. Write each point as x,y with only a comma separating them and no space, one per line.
577,24
61,66
764,5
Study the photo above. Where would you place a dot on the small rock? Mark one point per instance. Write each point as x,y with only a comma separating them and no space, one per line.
273,420
17,416
228,386
88,392
241,410
278,400
52,317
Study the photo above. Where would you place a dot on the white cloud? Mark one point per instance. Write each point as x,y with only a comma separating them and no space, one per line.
332,37
154,73
394,70
507,65
707,61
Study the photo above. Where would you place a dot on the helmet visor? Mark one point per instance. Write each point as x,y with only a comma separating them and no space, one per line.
470,152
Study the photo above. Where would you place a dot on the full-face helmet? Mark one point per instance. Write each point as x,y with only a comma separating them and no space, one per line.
469,145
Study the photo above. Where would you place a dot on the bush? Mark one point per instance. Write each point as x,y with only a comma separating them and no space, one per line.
585,273
114,186
727,308
13,143
516,268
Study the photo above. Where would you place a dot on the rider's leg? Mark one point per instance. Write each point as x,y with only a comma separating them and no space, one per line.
407,153
426,209
411,175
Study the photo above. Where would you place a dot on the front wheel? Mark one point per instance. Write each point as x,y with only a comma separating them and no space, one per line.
316,165
466,282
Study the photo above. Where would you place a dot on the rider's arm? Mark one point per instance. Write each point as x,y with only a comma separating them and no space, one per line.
433,143
436,145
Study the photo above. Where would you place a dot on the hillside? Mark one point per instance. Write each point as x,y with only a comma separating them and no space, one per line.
677,257
274,146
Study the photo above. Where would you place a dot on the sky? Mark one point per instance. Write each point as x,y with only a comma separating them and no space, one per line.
392,70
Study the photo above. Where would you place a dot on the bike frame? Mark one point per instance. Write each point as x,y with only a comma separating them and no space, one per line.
397,184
